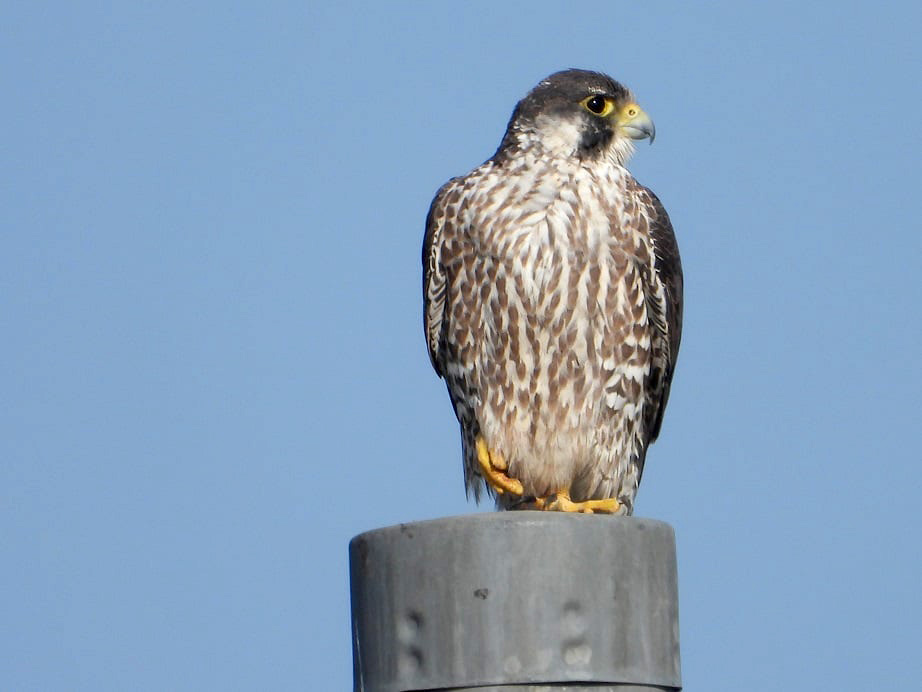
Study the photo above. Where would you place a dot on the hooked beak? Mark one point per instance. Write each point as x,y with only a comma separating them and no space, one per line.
636,124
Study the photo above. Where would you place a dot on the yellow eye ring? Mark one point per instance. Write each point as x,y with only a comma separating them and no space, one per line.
598,105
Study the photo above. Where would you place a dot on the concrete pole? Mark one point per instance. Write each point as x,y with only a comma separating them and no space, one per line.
523,600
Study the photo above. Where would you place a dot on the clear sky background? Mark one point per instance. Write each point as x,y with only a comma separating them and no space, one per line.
212,366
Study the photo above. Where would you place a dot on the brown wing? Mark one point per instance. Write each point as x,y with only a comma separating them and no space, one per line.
664,308
435,279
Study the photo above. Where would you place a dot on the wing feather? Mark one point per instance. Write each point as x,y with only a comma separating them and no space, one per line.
439,225
664,308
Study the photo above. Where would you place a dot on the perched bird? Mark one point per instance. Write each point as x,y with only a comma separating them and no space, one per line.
553,302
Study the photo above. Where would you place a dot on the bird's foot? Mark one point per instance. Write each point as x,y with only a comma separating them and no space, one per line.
561,502
493,467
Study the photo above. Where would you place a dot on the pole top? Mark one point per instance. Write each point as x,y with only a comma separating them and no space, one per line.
515,598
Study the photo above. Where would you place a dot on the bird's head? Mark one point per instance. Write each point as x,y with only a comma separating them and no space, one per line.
578,113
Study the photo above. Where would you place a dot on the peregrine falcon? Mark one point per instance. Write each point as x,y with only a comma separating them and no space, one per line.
553,302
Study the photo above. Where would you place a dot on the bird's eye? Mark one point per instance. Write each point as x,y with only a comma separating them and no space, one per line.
599,105
596,104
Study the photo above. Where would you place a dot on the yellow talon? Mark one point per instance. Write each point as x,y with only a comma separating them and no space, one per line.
561,502
492,467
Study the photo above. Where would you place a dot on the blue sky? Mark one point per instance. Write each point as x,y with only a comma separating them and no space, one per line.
212,361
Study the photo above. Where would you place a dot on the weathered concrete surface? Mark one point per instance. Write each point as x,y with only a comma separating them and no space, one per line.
522,600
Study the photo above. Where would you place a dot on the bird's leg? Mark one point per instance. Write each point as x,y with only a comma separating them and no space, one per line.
561,502
493,466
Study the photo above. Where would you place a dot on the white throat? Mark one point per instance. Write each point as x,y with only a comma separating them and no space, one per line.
560,139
